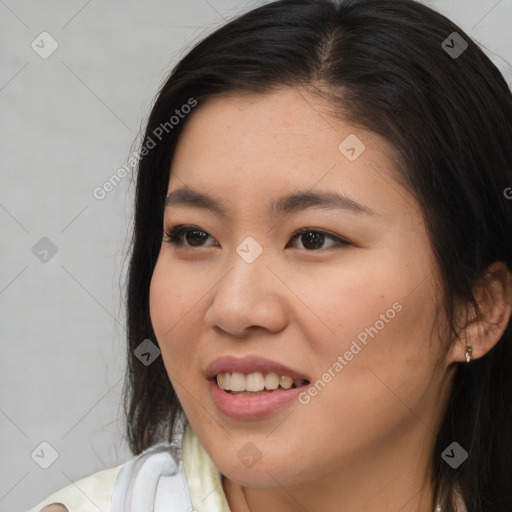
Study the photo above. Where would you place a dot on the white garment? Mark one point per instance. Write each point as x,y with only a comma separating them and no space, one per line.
157,480
163,478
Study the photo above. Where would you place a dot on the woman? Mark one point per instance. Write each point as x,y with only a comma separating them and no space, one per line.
322,255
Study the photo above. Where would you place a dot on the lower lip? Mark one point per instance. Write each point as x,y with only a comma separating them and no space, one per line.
252,407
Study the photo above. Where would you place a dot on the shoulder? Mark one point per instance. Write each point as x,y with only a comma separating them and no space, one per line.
84,495
153,480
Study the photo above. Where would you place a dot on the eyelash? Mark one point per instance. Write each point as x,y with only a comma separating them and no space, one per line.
172,236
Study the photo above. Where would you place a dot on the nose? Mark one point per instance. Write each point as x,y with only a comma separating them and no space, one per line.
248,297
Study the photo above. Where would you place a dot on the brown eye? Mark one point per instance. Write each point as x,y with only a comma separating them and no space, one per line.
194,237
313,240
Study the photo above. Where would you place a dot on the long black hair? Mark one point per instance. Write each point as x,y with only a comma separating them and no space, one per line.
394,67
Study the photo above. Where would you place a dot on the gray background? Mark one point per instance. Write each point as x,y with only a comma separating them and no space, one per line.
68,123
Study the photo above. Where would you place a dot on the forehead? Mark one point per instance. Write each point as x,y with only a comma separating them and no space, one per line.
252,145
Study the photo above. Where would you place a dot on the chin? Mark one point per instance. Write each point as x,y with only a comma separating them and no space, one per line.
262,474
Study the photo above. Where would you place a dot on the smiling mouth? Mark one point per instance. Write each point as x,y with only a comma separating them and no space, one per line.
256,383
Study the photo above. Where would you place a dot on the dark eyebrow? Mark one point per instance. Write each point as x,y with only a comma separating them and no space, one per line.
293,202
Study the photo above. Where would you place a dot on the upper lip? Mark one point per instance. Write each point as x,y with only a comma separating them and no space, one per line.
250,364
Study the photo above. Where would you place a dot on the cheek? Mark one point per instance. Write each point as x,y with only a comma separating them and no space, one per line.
174,297
175,302
380,316
365,296
172,302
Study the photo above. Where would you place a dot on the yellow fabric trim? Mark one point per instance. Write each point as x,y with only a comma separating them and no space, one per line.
203,477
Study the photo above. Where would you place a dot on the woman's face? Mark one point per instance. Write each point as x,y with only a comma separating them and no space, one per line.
349,307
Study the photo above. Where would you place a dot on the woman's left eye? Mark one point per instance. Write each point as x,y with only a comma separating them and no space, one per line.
311,239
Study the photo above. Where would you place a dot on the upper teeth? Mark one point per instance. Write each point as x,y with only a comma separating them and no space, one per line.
255,381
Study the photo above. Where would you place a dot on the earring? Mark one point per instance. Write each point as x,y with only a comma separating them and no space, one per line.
469,352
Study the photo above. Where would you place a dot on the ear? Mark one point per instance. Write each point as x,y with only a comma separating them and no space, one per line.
493,293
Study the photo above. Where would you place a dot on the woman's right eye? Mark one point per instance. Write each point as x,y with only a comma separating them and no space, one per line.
194,236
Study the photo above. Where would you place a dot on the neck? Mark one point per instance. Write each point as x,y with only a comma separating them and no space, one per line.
395,478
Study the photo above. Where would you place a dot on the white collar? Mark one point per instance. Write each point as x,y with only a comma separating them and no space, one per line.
169,474
169,477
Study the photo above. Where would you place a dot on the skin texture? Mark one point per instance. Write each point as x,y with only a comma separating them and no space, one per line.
365,441
55,507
